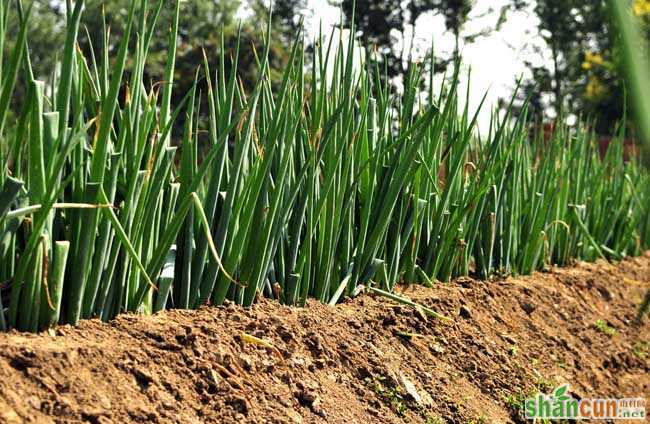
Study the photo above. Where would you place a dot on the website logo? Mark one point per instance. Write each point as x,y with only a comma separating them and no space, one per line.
560,405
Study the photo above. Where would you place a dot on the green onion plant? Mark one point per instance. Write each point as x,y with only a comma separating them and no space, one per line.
320,184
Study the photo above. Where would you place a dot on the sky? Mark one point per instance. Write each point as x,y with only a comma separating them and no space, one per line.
496,60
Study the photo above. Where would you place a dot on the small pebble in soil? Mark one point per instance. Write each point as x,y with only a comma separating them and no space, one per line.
390,319
529,308
239,403
465,312
373,411
354,324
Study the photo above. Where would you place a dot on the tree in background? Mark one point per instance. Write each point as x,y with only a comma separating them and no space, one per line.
582,75
46,36
202,25
383,25
455,12
287,15
376,23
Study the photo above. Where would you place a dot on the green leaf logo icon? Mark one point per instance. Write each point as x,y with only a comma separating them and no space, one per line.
560,393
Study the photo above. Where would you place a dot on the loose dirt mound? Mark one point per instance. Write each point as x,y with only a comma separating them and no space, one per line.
368,360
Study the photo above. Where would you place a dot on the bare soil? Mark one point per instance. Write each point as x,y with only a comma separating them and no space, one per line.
367,360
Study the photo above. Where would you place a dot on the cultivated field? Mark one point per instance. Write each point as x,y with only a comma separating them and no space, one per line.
323,185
